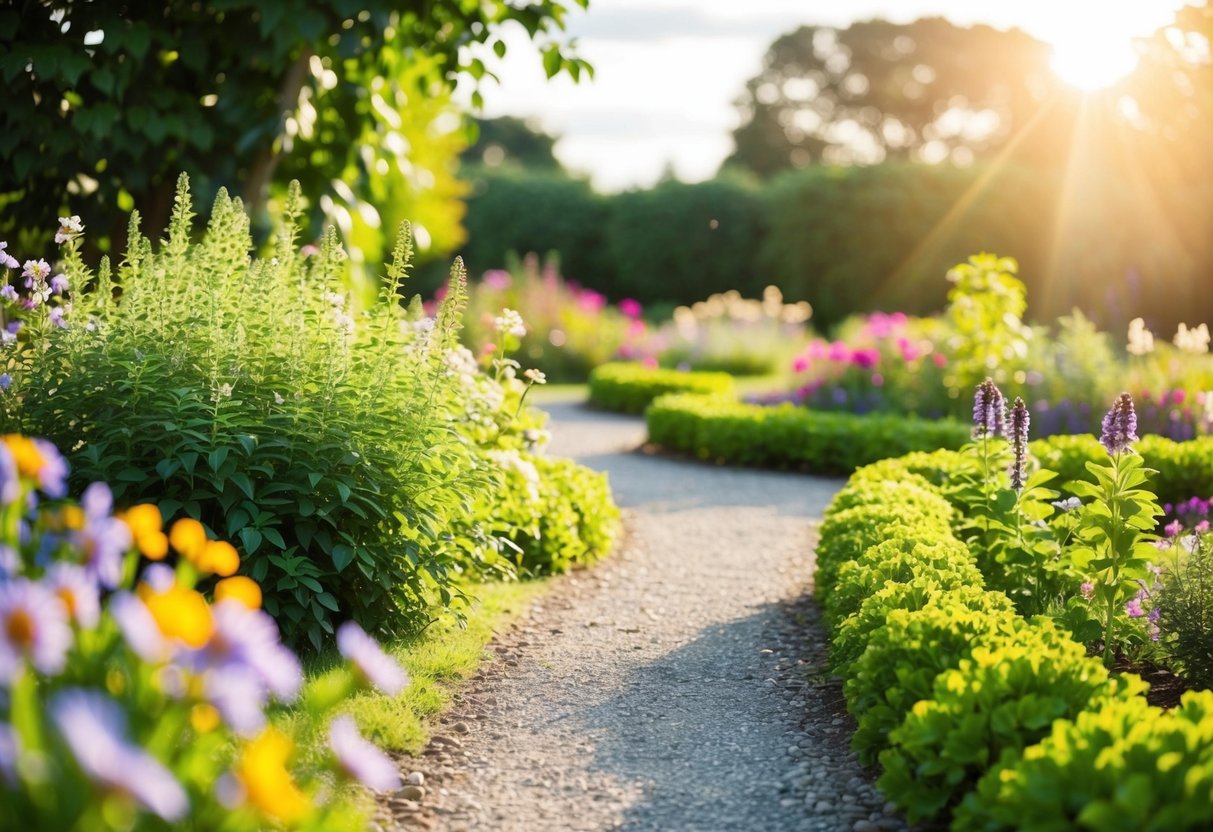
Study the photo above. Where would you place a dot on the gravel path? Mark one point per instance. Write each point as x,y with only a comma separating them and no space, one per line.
679,685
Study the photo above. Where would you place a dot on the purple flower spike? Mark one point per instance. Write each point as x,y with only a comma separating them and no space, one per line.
95,730
371,663
1120,426
989,411
1019,442
359,759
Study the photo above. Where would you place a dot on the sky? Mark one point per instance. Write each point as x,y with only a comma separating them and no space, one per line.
667,72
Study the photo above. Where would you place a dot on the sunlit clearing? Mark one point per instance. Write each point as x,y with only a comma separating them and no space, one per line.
1092,60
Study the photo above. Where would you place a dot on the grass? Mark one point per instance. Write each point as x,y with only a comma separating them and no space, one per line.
437,661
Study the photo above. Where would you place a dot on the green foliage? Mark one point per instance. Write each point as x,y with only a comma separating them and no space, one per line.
1184,468
790,437
554,514
985,309
1186,610
205,87
1000,700
679,242
902,659
324,446
1124,767
507,140
631,388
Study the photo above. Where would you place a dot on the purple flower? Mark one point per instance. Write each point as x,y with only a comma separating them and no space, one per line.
1120,426
1133,608
7,260
1087,589
361,760
249,639
10,479
95,730
6,381
9,293
370,662
56,317
103,539
1154,615
35,271
139,628
989,411
1019,442
59,284
52,476
34,626
77,589
1173,528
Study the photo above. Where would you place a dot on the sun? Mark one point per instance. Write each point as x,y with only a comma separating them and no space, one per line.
1093,60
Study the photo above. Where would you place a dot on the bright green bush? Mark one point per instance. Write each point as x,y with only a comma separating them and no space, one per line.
554,513
899,559
1184,468
902,659
328,444
1123,767
629,388
1000,700
790,437
846,535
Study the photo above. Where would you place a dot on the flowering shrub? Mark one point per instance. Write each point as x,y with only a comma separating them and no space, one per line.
346,452
129,700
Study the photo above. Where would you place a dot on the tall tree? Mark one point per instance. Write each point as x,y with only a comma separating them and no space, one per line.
927,90
106,102
512,140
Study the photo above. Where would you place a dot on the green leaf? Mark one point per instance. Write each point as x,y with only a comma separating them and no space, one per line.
342,556
251,539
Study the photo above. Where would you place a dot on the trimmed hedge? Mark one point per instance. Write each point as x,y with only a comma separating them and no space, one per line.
1185,469
973,711
626,387
791,437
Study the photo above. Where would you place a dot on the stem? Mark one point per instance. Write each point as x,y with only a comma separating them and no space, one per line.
1113,555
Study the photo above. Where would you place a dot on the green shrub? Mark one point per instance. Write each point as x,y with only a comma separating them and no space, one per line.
554,513
629,388
323,442
902,659
1124,767
846,535
1186,610
789,437
1000,700
899,559
680,242
1184,468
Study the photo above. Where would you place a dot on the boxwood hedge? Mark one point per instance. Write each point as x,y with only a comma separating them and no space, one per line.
626,387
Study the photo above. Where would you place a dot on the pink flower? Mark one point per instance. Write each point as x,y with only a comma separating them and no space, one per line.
497,279
939,358
650,362
630,307
839,351
1178,396
590,301
636,328
1202,527
877,380
866,358
800,364
818,350
1173,528
1133,608
1087,589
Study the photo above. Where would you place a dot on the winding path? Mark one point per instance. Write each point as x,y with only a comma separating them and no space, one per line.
679,685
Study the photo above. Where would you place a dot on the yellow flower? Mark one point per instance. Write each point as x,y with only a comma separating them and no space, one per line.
188,537
146,527
204,718
220,557
267,784
179,613
239,588
25,454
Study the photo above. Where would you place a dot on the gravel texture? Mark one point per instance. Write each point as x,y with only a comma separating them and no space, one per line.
679,685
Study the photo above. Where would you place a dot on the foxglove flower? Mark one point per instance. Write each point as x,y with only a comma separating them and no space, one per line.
370,662
359,759
1019,442
95,730
1120,426
989,411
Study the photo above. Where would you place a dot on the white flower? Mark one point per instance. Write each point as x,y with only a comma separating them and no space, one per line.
535,376
1192,340
69,229
511,322
1141,340
1068,504
278,398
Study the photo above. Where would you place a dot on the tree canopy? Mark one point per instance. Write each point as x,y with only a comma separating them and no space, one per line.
928,90
510,140
107,102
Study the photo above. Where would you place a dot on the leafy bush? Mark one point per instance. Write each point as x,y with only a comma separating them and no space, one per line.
243,393
1186,610
902,659
131,701
789,437
629,388
1001,699
553,513
1123,767
846,535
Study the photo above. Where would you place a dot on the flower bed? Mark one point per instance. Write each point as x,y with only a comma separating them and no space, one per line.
629,388
926,566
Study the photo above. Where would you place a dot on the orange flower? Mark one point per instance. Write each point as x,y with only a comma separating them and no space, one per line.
220,557
179,613
146,526
188,537
25,454
239,588
268,785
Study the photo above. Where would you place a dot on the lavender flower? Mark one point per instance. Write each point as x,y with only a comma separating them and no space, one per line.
1068,504
1019,442
1120,426
104,539
139,628
8,292
7,260
77,589
95,730
359,759
989,411
56,317
370,662
59,284
1133,608
33,625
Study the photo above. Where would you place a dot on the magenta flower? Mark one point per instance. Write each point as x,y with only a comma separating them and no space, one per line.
630,307
33,626
1133,608
94,728
361,760
839,352
865,358
370,662
800,364
1087,589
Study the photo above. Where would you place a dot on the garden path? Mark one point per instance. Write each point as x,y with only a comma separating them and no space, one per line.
679,685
